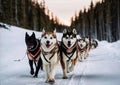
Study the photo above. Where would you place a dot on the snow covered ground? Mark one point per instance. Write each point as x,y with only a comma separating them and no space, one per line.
102,67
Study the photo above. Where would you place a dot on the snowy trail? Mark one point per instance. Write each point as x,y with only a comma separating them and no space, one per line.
102,67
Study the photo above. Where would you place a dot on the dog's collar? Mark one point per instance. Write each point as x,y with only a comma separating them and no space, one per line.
65,48
33,49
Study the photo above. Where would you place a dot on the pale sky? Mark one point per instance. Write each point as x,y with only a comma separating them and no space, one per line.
65,9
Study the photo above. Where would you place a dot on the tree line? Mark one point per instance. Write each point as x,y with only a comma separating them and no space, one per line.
100,21
29,14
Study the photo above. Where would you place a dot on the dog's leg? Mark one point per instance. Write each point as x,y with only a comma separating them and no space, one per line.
63,65
31,67
47,69
37,69
73,64
65,71
52,72
82,56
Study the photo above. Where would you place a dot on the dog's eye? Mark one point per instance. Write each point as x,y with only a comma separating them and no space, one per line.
50,37
71,37
66,37
45,37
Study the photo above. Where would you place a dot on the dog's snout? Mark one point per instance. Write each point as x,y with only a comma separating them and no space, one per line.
69,42
47,42
81,45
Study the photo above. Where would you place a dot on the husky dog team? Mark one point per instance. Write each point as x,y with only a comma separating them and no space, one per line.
48,51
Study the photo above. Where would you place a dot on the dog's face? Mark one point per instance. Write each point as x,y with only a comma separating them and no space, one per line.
87,40
82,43
94,44
69,38
48,39
30,40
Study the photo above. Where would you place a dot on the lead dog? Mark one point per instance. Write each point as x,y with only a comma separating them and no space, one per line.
33,53
68,51
49,54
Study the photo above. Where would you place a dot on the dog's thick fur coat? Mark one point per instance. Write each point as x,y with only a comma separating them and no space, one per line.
68,51
33,52
49,54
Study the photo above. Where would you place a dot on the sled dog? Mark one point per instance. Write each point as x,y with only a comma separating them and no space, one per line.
33,53
49,54
68,51
94,44
88,46
82,49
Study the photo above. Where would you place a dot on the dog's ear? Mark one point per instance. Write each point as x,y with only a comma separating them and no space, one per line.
74,31
43,31
54,31
26,35
64,31
33,35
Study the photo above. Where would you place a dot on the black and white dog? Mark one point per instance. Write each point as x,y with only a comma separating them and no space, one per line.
33,52
68,51
94,44
82,49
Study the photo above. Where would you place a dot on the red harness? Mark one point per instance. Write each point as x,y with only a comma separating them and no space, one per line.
33,57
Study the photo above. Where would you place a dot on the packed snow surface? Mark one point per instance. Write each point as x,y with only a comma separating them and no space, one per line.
102,67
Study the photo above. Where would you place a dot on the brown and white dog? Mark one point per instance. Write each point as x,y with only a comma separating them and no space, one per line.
68,51
49,54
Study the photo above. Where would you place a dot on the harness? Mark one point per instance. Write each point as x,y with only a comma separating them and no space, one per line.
33,53
64,50
34,57
82,50
53,51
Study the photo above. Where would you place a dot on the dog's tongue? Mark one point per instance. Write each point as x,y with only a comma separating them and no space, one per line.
47,45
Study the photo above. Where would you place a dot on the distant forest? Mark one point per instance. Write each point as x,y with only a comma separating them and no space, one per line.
101,21
29,14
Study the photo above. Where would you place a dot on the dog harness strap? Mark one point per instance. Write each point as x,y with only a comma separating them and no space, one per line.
53,51
81,50
33,56
49,58
46,59
69,57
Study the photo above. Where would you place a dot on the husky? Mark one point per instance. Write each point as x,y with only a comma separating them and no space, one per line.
88,46
33,52
94,44
82,49
68,51
49,54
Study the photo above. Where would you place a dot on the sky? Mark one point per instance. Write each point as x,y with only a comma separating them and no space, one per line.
65,9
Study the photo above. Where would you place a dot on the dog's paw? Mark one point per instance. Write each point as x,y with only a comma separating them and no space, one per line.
51,81
65,77
32,72
35,76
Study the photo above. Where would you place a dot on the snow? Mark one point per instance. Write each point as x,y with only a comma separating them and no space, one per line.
102,67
